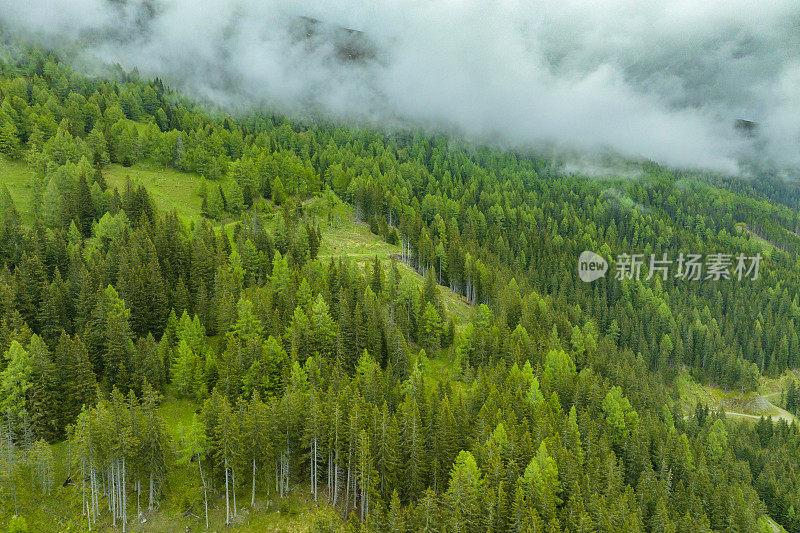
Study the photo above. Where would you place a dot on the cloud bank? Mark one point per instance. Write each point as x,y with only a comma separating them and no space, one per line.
664,81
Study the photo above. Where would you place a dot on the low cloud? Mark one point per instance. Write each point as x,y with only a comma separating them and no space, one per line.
664,81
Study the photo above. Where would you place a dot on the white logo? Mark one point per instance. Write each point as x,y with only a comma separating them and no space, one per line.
715,267
591,266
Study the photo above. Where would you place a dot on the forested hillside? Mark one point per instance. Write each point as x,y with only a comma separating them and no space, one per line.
161,257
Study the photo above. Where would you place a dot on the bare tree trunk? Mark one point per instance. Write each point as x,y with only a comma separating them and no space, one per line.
124,502
227,501
112,493
205,492
83,487
347,487
314,470
93,488
11,465
253,494
336,478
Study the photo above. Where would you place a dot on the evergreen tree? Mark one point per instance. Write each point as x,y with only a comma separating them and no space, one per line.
76,379
464,493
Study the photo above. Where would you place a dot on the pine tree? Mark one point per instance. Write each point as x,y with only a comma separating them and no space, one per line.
76,378
225,442
431,328
792,398
187,371
464,493
110,335
542,483
388,456
31,284
44,391
9,140
256,439
196,448
323,329
396,519
235,198
83,207
314,438
55,312
215,203
414,448
154,445
147,364
16,381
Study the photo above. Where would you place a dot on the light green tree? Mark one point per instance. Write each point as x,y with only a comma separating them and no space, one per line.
463,493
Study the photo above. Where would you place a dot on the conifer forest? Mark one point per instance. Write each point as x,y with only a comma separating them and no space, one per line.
221,318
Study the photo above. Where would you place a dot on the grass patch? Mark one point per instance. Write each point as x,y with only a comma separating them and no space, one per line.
17,177
177,413
455,304
354,240
736,404
690,393
170,189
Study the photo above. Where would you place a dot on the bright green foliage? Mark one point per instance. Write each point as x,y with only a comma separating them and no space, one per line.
187,371
266,373
214,202
9,140
619,413
461,380
16,381
463,493
430,335
559,373
234,198
542,483
78,385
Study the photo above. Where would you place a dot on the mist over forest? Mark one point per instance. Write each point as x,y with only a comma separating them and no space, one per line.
661,81
348,267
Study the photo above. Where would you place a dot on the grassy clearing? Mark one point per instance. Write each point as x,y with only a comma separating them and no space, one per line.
354,240
291,514
170,189
772,388
690,393
17,177
455,304
737,404
177,414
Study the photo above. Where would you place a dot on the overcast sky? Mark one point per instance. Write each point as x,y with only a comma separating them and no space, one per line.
658,80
